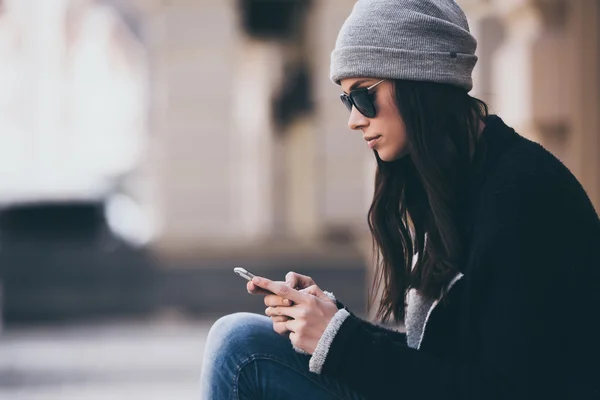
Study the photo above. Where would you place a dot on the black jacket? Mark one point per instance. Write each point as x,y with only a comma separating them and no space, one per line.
524,320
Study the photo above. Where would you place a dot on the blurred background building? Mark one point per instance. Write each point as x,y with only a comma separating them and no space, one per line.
148,146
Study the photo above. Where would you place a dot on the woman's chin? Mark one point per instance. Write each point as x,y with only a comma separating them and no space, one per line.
390,156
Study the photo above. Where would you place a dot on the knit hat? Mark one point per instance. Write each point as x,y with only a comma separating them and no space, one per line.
420,40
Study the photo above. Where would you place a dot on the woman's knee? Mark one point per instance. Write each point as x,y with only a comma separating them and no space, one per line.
239,332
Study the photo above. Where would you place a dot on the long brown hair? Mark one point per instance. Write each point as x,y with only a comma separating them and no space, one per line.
421,196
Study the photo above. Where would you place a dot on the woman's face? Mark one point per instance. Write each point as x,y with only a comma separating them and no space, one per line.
386,132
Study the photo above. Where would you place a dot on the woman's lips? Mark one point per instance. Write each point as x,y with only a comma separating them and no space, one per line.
372,141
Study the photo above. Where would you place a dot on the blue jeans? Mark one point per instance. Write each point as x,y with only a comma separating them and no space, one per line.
245,358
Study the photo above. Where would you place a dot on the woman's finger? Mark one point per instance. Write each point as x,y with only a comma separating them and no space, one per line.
280,318
281,289
298,281
292,312
253,289
293,280
280,328
272,300
317,292
314,290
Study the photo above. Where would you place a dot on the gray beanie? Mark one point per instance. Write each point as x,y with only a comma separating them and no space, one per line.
419,40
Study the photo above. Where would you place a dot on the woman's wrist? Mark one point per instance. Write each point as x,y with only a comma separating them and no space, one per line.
320,354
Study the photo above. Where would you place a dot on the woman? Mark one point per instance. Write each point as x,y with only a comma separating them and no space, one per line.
488,248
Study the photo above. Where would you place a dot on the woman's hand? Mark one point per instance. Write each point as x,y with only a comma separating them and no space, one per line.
294,280
310,313
273,300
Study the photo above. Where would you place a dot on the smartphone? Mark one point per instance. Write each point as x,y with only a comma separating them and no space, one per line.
247,275
243,273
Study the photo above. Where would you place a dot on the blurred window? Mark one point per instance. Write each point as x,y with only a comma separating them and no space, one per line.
73,100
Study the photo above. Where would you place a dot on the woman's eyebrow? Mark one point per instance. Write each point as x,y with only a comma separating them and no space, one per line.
357,83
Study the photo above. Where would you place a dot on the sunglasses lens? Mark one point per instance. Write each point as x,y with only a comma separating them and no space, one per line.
364,103
346,100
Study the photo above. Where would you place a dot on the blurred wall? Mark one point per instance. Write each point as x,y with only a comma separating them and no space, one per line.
245,140
227,176
539,69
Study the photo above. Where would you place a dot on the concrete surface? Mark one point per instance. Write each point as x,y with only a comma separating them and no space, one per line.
123,360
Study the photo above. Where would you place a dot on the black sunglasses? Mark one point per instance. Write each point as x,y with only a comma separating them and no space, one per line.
362,99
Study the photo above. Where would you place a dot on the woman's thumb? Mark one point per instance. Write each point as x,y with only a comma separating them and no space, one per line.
292,279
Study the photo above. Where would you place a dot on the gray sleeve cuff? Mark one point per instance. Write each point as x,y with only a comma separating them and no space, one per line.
330,295
320,354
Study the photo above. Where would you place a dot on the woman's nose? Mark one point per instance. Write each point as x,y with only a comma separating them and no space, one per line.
356,120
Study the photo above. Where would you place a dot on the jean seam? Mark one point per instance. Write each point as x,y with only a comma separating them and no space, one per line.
258,356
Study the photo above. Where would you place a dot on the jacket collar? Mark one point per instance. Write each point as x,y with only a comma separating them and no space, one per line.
495,139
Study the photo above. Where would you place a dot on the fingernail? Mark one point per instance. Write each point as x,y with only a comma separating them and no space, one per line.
256,280
287,302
